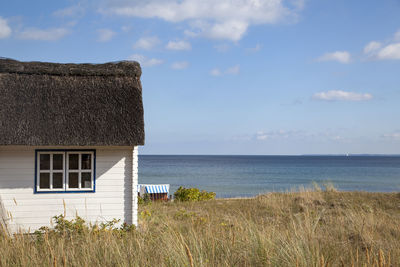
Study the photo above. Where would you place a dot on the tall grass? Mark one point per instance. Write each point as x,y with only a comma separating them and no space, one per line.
308,228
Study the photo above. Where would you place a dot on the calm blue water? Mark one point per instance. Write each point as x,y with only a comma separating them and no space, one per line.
234,176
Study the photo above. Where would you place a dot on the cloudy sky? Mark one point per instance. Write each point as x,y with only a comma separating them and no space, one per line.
235,76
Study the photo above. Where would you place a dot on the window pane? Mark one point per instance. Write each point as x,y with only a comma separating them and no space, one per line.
86,180
86,161
45,161
73,180
57,180
73,161
44,181
58,161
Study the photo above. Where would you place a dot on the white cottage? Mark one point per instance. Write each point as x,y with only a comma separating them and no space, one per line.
68,142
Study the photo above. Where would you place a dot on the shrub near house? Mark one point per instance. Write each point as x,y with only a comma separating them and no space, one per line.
192,194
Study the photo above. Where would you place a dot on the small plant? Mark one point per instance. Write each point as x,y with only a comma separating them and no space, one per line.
140,200
110,225
193,194
127,228
144,200
76,225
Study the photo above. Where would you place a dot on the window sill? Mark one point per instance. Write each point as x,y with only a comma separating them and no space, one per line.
65,192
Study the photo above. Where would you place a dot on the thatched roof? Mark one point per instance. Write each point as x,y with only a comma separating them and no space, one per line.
48,104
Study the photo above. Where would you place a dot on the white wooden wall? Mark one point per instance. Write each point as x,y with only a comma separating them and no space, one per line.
113,197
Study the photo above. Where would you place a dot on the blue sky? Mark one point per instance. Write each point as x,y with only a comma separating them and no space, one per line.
235,76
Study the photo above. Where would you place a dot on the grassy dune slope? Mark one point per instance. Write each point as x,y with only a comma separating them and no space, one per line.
310,228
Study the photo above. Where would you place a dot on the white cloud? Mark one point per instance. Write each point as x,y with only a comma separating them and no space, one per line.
233,70
191,33
339,56
105,35
145,61
262,135
216,72
328,135
277,134
230,30
5,30
372,47
72,11
51,34
180,65
147,43
178,45
274,135
223,19
338,95
392,136
391,51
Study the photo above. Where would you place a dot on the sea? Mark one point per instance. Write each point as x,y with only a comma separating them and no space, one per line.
247,176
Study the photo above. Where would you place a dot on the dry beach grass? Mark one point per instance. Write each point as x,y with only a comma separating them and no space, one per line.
307,228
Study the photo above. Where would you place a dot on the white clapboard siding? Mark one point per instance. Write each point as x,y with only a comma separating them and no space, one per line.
113,198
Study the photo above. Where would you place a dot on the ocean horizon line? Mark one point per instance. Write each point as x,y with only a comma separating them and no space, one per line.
280,155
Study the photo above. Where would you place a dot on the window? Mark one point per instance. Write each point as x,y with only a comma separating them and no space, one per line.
65,171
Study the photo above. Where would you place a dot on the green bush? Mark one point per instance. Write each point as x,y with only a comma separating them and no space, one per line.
140,200
62,225
204,195
192,194
144,200
78,226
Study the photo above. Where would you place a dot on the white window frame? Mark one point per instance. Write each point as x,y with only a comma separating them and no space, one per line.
65,171
50,171
80,170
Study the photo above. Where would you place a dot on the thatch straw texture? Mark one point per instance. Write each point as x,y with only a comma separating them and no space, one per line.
48,104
